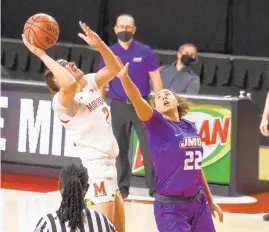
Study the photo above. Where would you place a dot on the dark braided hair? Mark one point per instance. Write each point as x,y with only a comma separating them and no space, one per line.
73,179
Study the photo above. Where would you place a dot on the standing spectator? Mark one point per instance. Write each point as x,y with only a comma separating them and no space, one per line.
179,76
143,68
264,127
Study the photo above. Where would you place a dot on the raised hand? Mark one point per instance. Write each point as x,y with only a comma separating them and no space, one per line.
30,45
90,37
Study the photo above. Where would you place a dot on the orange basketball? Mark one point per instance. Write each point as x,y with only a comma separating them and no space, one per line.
43,29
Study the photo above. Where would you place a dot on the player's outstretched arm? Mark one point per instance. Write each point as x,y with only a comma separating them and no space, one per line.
112,64
265,118
142,107
213,206
64,78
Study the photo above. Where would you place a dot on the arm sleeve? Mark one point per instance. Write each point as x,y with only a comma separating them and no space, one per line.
157,124
162,68
109,225
151,61
194,86
158,130
43,225
154,120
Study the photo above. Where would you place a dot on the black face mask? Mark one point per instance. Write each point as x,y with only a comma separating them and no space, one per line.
187,60
124,36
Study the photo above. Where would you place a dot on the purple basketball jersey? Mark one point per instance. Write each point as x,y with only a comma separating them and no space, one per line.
177,152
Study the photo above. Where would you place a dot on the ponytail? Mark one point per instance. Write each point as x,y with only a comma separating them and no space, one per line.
72,203
184,105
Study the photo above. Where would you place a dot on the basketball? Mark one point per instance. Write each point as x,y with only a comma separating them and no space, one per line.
44,30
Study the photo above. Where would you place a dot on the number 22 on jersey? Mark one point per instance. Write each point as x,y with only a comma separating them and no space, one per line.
193,160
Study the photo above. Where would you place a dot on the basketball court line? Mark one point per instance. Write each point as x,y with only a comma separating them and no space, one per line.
137,215
257,203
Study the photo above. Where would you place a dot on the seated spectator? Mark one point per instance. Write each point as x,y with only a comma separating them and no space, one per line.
179,76
73,215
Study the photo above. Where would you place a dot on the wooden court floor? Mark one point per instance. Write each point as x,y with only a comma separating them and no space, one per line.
139,216
264,163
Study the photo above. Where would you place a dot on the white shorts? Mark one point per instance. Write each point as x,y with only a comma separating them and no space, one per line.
103,182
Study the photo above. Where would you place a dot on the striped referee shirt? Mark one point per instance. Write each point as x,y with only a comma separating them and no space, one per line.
93,222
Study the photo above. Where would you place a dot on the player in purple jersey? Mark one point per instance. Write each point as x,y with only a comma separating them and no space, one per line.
183,201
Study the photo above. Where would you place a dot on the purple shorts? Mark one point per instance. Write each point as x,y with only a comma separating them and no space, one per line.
194,216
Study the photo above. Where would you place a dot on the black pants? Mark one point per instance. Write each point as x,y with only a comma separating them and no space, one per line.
123,117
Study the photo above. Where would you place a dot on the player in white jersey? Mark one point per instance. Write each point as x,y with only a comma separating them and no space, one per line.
86,117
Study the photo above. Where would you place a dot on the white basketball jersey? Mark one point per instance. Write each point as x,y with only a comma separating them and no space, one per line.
88,121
